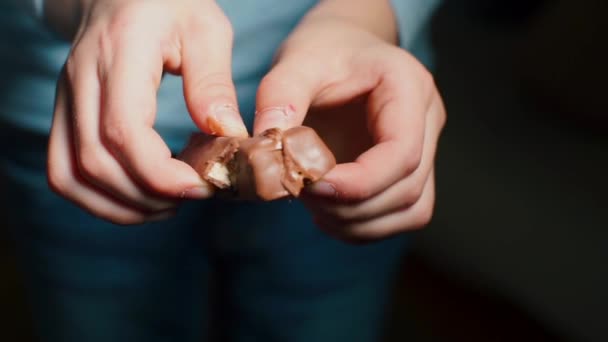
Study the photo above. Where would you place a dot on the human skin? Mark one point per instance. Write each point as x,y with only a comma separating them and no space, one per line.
377,106
104,154
338,68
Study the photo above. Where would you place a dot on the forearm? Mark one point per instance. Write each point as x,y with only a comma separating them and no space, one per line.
396,21
375,16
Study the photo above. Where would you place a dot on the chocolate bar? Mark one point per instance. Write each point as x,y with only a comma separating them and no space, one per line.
272,165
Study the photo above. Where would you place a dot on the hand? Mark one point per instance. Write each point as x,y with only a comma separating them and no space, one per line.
104,153
378,109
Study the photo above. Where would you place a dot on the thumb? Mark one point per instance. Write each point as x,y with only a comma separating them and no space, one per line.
284,96
208,87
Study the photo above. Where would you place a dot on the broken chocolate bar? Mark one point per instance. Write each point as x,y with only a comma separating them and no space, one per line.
272,165
211,156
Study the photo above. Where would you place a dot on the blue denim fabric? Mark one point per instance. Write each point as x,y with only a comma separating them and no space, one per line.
277,277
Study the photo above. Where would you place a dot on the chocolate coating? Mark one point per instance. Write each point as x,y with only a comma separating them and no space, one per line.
306,158
260,168
272,165
205,153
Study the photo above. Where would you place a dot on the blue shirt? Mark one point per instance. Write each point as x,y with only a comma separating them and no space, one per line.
31,57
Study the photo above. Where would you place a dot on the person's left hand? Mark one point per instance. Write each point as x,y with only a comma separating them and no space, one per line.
342,75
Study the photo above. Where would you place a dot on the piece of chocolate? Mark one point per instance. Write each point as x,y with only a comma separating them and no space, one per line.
260,169
210,157
306,158
269,166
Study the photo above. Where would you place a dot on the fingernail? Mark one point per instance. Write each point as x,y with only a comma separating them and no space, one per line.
275,117
163,215
225,120
323,189
198,193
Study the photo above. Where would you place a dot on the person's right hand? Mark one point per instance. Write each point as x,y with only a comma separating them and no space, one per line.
104,154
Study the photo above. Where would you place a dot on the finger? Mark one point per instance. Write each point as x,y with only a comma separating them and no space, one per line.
415,217
285,94
208,86
396,119
94,161
127,118
63,179
400,195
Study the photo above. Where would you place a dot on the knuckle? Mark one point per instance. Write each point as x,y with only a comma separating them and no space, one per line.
114,134
218,23
71,66
413,159
89,163
130,14
427,80
132,19
104,44
423,216
412,196
398,59
58,180
222,24
409,65
401,56
441,112
266,81
274,80
200,25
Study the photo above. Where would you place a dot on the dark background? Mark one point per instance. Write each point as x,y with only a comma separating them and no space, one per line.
518,248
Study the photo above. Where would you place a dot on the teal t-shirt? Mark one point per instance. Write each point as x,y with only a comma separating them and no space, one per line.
31,57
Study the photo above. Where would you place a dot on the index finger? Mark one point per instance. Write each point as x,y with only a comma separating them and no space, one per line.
127,118
397,110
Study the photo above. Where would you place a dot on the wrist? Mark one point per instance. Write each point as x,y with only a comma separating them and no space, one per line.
375,16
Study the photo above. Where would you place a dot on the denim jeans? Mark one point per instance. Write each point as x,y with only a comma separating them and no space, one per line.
250,272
